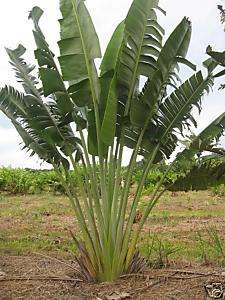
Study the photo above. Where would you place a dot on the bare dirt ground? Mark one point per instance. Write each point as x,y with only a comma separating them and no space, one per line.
27,277
32,277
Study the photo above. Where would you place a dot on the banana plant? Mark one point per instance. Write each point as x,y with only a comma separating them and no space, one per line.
205,172
200,171
75,114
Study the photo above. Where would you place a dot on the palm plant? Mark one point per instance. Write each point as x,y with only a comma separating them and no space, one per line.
76,115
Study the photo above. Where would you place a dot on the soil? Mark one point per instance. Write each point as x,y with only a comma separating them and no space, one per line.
42,277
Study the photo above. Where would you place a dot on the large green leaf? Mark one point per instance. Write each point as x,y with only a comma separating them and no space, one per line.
210,64
138,113
175,49
217,56
142,40
80,93
12,103
49,74
17,107
61,105
23,70
39,147
172,117
42,118
79,47
79,44
154,91
206,140
174,112
108,81
51,81
137,55
176,46
186,62
109,60
109,122
210,135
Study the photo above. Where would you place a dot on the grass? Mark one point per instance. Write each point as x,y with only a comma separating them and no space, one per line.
41,223
35,223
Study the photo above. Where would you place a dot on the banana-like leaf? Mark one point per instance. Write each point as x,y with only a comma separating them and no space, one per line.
53,85
210,135
12,103
140,50
110,117
41,117
138,113
108,81
172,116
23,70
137,56
217,56
150,141
16,107
79,47
37,146
176,46
80,93
202,174
210,64
174,112
109,60
206,140
49,74
153,93
79,44
30,109
154,90
80,122
51,81
219,74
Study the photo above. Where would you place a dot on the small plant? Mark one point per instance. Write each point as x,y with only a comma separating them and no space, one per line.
203,247
210,245
218,190
166,217
159,252
217,243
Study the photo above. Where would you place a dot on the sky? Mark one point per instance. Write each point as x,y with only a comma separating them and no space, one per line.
106,14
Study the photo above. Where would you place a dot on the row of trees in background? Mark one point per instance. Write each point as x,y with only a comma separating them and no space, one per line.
78,115
203,173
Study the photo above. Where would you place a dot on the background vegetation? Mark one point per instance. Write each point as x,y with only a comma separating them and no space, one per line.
200,174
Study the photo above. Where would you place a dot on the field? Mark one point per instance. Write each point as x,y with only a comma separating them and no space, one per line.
184,232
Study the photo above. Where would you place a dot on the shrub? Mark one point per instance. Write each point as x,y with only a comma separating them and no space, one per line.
20,181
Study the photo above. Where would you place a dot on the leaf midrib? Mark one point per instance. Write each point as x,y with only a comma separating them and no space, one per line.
133,81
